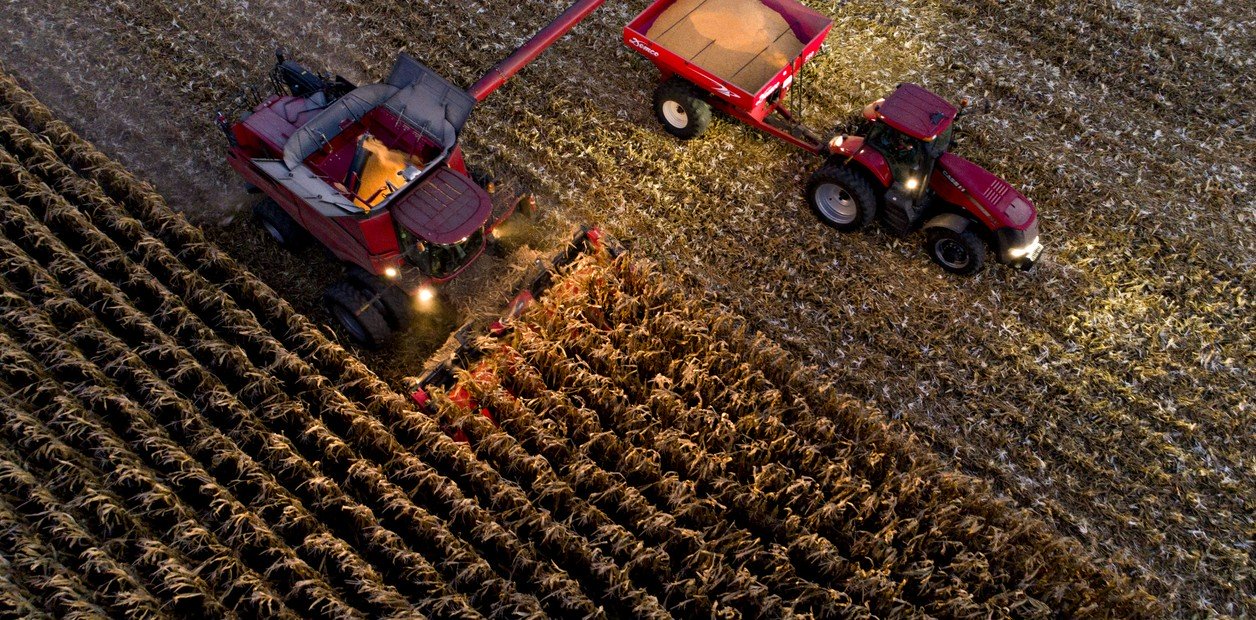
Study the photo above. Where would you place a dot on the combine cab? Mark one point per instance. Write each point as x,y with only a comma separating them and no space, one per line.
375,174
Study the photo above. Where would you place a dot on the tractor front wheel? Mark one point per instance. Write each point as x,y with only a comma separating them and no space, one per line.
841,197
396,306
279,225
683,112
361,319
961,253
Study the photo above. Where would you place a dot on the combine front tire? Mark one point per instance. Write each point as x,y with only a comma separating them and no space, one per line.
361,319
279,225
841,198
961,253
682,111
396,306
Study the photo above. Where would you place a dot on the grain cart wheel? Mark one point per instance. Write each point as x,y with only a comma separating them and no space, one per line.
361,320
841,197
683,113
279,225
396,306
960,253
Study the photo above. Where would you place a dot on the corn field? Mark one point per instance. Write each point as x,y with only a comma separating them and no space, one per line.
1109,392
176,441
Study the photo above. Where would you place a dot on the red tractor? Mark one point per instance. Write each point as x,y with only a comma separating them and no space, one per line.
375,174
902,172
899,173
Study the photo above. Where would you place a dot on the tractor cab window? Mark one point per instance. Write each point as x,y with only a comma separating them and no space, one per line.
940,144
907,156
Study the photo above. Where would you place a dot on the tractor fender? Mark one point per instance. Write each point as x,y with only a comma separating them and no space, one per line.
950,221
851,150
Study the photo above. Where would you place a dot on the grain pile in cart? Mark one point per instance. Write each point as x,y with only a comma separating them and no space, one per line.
742,41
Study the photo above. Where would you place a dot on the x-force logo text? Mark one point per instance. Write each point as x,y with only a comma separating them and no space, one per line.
641,45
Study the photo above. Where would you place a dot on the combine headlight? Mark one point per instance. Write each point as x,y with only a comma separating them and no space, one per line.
1026,249
390,272
425,294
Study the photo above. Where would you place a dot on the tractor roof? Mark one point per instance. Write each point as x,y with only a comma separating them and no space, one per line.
917,112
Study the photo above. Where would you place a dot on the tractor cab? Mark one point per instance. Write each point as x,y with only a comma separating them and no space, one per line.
910,129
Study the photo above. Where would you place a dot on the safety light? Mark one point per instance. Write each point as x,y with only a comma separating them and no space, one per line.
426,294
390,272
836,143
1025,250
913,183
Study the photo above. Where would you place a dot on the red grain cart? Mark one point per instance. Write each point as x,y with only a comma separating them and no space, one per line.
376,175
741,57
709,58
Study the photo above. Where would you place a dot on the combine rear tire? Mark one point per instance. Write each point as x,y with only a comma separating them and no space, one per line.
841,198
396,306
279,225
961,253
361,320
682,111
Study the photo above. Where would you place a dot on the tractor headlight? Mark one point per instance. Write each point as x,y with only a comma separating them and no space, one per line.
1025,250
913,183
836,143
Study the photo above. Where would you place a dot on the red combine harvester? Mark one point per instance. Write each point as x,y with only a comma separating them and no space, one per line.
744,63
375,174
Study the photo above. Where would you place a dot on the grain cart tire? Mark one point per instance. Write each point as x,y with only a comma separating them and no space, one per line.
396,306
841,197
361,320
961,253
279,225
682,111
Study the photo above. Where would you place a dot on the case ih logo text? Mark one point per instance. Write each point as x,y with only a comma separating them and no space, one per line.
641,45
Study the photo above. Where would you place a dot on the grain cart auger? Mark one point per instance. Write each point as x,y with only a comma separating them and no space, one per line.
375,174
741,57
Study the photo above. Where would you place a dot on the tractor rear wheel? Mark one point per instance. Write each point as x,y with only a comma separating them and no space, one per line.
396,306
361,320
961,253
841,197
279,225
683,112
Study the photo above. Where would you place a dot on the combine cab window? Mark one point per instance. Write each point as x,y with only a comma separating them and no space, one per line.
439,261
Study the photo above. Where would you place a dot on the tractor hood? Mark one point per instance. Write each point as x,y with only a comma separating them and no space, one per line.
971,186
445,208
